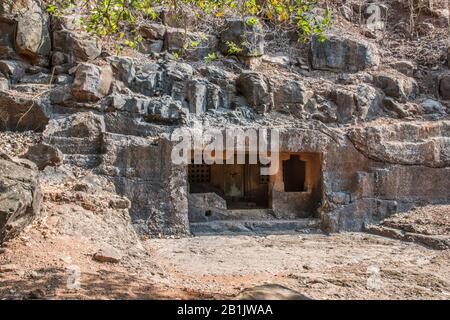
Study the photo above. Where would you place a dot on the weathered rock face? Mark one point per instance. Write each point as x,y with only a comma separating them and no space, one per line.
44,155
377,146
405,67
444,87
91,82
247,37
28,31
20,196
343,54
78,136
396,85
142,170
290,95
415,143
21,112
360,102
256,90
12,70
71,47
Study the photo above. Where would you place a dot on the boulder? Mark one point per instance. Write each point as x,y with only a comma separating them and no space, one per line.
149,80
404,66
245,35
444,87
203,95
153,31
107,254
290,95
165,110
20,112
176,77
395,108
44,155
216,75
396,85
72,47
33,35
256,90
123,68
20,196
27,33
37,78
12,70
151,46
343,54
91,82
356,102
431,106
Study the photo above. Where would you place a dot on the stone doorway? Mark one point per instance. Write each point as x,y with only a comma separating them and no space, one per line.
240,185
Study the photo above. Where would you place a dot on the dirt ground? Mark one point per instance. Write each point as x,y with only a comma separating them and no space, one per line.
342,266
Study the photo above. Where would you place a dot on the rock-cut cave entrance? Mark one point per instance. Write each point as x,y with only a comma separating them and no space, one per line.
239,192
241,185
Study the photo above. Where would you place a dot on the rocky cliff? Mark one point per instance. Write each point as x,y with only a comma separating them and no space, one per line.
374,109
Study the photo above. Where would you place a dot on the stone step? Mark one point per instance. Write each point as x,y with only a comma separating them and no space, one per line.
249,227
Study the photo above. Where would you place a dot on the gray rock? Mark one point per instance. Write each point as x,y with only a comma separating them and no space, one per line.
165,110
215,75
249,38
72,47
255,88
407,143
278,60
123,68
33,35
194,46
38,78
431,106
20,197
270,292
444,87
151,46
395,108
177,75
91,82
107,254
196,95
153,31
22,112
24,31
404,66
80,133
149,80
12,70
4,84
396,85
343,54
291,94
63,79
44,155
